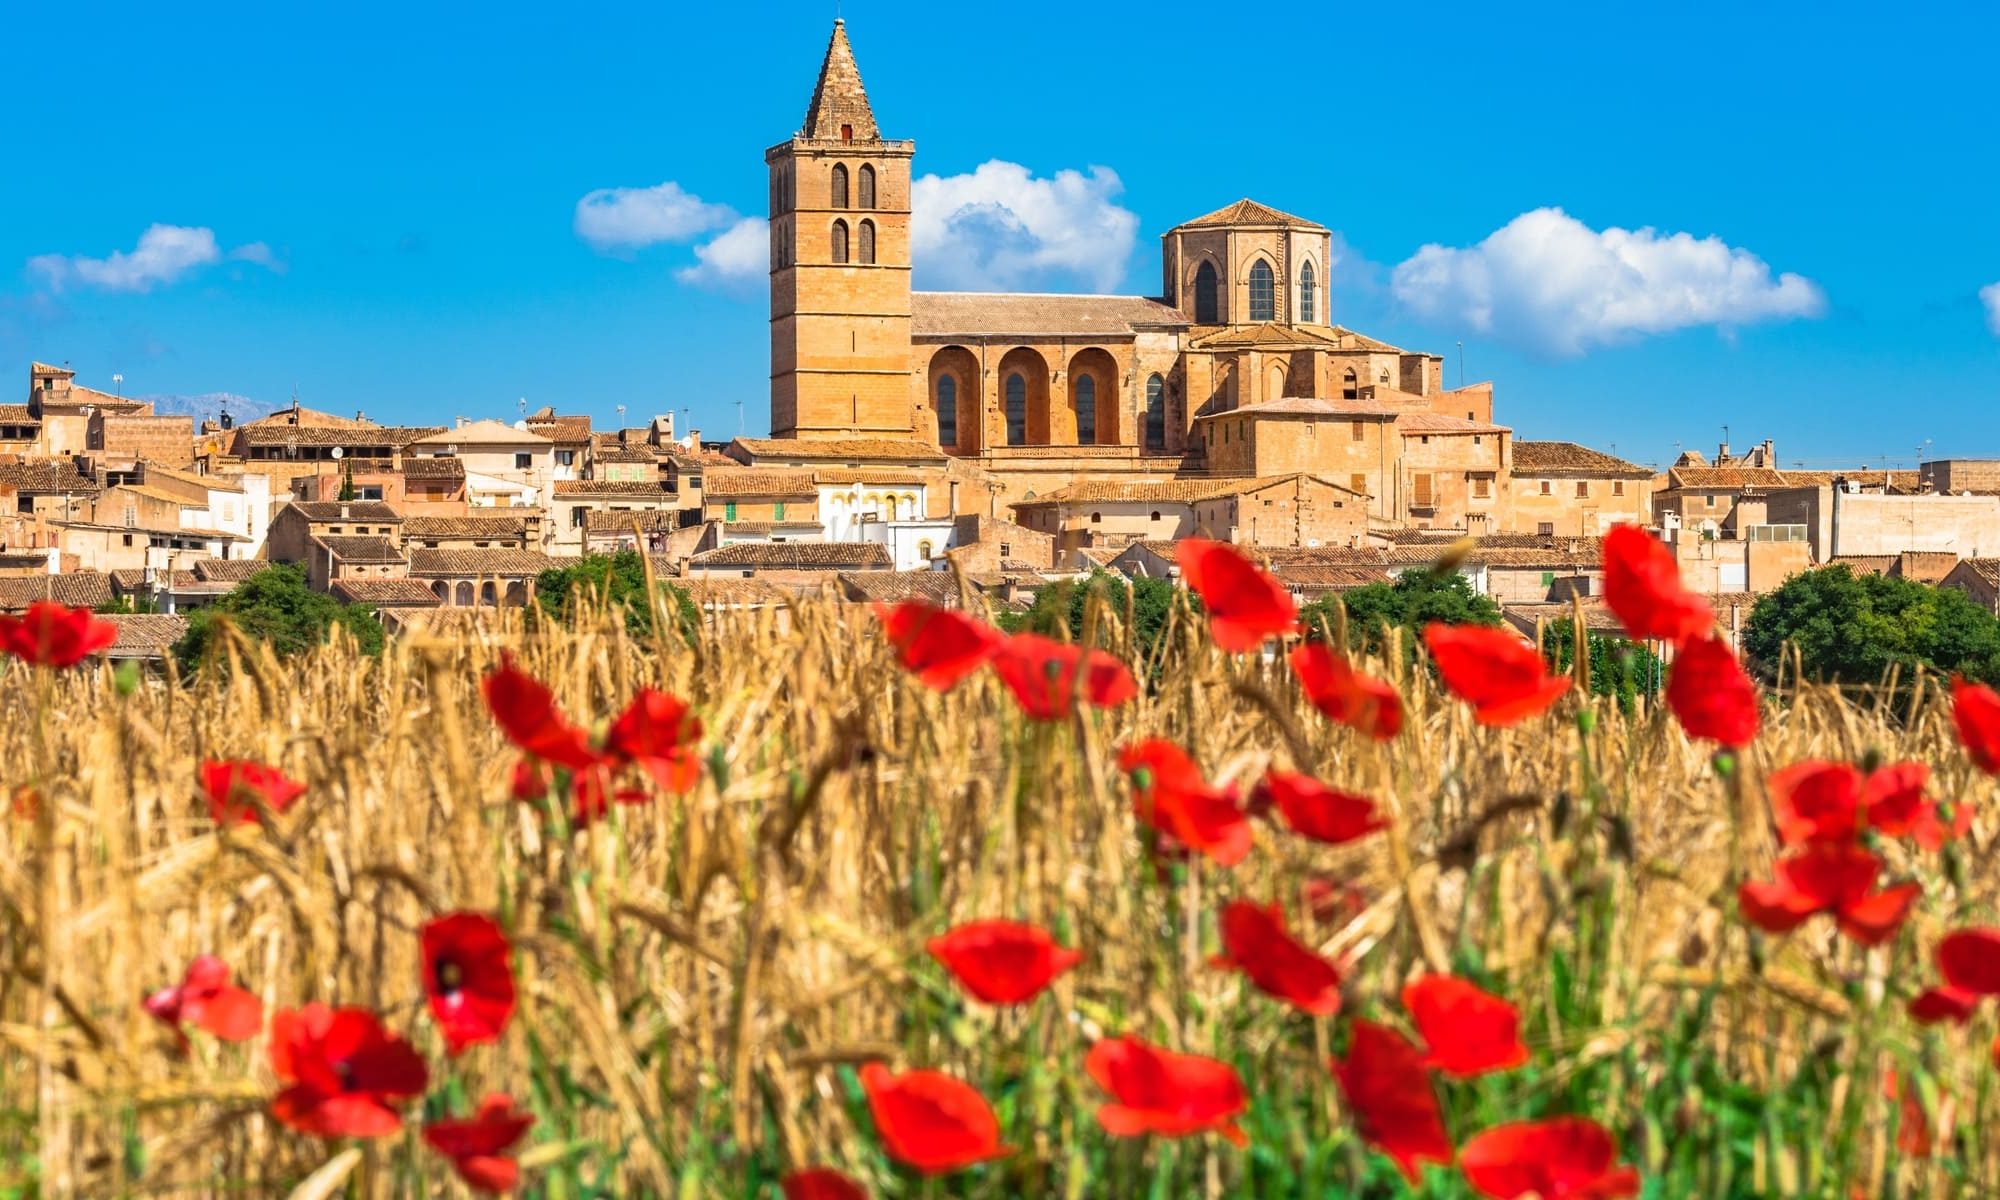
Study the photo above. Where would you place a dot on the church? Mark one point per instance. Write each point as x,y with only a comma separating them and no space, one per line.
1236,371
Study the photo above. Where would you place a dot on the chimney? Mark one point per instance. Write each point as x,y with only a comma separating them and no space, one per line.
346,512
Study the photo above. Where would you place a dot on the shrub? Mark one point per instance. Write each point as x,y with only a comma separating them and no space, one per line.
1622,669
1851,629
616,581
1414,600
276,607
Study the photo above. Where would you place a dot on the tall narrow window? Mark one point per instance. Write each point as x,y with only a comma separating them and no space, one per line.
1350,386
1156,413
947,411
1306,282
1263,292
1204,295
1086,409
867,241
839,188
840,241
1017,409
865,186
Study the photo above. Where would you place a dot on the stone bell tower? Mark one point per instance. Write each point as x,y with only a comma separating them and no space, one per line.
840,266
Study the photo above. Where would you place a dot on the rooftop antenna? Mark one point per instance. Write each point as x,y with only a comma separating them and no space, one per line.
739,416
522,404
1461,364
118,386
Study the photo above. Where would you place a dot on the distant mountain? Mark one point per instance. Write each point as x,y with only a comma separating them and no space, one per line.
209,406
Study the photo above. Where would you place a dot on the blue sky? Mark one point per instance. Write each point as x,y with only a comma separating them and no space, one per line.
379,204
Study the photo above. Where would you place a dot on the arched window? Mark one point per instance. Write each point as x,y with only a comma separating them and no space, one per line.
867,240
840,241
487,596
1017,409
947,410
1204,295
1263,292
1086,409
839,185
1385,376
1156,413
865,186
1350,387
1306,281
924,551
464,595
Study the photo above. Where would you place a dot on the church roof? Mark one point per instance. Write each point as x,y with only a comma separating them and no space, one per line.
838,98
1307,406
1249,212
1002,314
1269,333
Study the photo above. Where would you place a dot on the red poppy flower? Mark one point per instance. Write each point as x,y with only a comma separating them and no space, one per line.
1466,1031
526,712
1245,604
530,779
593,790
1932,828
1825,801
1169,795
1344,695
1642,585
1970,960
1975,710
344,1073
1389,1092
1042,674
1829,877
940,646
231,785
1255,942
1002,962
1327,899
1892,798
1158,1091
1493,670
206,999
469,977
929,1121
477,1145
1711,695
1556,1159
1313,810
1944,1003
820,1183
1913,1125
657,732
49,635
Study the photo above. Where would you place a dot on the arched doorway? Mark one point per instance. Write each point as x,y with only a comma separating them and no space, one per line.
1093,398
1205,309
1024,397
954,399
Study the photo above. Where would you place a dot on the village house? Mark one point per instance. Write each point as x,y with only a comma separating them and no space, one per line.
480,578
505,467
1841,517
513,529
575,504
800,563
1561,488
400,594
1978,578
60,411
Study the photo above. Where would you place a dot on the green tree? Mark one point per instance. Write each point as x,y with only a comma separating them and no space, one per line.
347,484
1619,667
618,580
128,604
1060,605
1850,628
1414,600
275,606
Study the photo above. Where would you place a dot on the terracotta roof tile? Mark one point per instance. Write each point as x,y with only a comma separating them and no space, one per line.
625,454
1865,564
75,589
733,593
228,570
1248,212
650,520
145,635
439,466
890,587
999,314
505,564
1430,422
368,549
322,435
369,511
47,478
505,526
1987,569
396,593
656,488
795,556
17,414
1568,458
758,481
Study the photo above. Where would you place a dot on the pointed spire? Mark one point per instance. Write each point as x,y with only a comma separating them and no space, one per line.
839,101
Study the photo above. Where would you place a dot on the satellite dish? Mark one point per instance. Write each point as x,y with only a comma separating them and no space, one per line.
339,453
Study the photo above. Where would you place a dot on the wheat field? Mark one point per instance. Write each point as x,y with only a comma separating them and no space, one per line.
700,976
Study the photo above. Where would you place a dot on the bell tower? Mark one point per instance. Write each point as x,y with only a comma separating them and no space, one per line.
840,266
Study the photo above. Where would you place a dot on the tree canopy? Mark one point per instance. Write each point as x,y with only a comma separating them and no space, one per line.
1849,628
1414,600
275,606
1062,604
1619,667
618,580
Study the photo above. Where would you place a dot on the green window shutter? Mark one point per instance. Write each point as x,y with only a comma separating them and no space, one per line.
778,511
729,511
1548,578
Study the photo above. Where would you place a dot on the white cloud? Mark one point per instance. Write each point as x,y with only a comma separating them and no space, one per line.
615,219
165,253
1001,228
735,258
1990,295
1549,282
258,253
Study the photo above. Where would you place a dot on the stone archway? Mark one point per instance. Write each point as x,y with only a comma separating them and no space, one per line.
954,382
1024,397
1094,401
